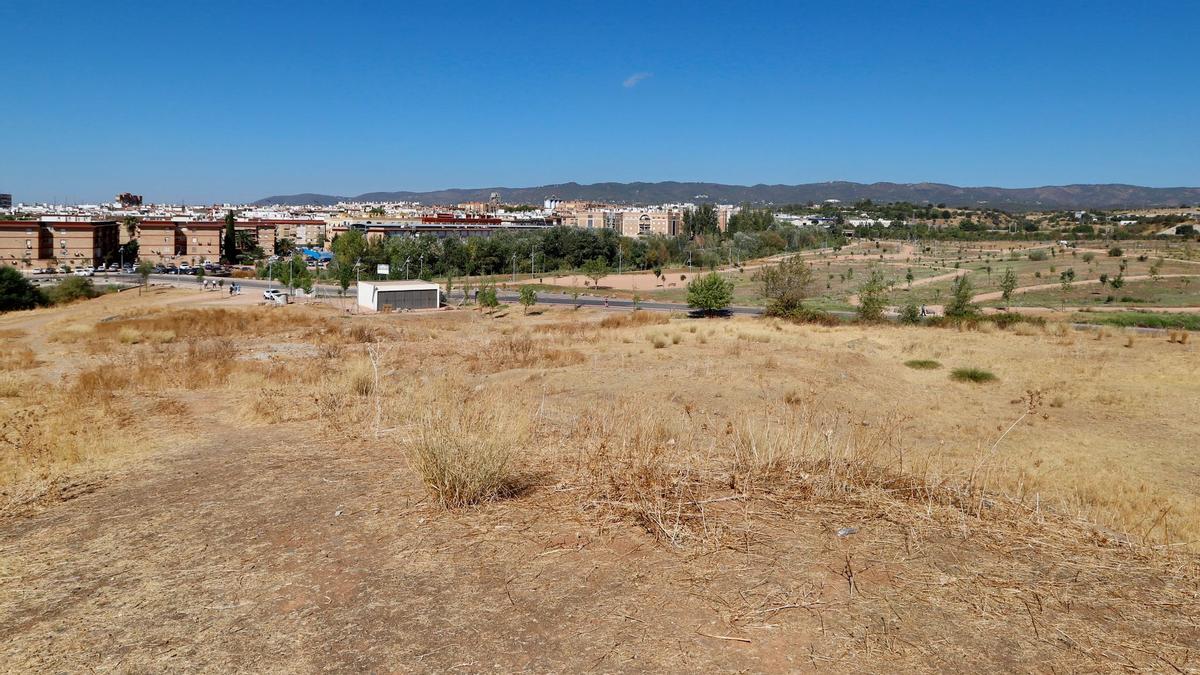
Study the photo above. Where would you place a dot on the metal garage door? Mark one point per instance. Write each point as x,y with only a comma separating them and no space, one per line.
413,299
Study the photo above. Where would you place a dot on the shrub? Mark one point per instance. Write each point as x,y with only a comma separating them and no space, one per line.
872,297
487,297
1037,256
960,306
72,289
17,292
910,313
786,284
923,364
528,297
710,293
976,375
806,315
1006,319
463,447
1115,252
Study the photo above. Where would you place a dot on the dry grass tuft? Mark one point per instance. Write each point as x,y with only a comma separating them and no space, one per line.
634,319
17,357
464,444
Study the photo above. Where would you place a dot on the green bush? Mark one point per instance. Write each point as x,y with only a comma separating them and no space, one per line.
72,289
17,292
976,375
910,313
872,297
1145,320
1037,256
1115,252
960,306
804,315
710,293
487,297
923,364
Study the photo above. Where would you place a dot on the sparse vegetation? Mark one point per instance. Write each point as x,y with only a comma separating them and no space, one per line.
923,364
976,375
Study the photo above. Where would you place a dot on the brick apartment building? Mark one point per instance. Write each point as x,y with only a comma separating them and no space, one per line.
58,241
195,242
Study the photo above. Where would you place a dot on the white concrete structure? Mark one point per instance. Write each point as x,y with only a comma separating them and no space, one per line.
398,295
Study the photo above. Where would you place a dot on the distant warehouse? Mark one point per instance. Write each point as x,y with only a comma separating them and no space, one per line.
398,295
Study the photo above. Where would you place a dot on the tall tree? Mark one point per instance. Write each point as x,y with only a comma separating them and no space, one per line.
229,252
700,220
1008,284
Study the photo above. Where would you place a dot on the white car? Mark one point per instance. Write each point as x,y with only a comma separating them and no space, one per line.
275,295
81,272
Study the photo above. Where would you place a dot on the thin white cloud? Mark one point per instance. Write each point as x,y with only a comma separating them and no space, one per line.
633,80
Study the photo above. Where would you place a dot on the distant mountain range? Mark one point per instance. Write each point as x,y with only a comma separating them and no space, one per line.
1110,196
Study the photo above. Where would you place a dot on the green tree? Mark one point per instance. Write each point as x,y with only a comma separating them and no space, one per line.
872,296
285,246
908,277
960,306
487,296
144,270
710,293
17,292
701,220
131,226
1008,284
910,313
528,297
785,285
229,248
1067,276
595,269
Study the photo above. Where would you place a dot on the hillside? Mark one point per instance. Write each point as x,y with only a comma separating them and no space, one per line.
1098,196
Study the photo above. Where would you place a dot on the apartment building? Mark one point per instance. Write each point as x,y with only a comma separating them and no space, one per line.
644,222
305,232
58,240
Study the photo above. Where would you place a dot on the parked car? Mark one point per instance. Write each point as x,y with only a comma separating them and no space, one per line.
84,272
273,294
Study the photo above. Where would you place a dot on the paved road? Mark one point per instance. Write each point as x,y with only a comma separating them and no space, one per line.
258,285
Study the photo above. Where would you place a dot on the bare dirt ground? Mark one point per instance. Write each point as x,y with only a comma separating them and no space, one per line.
303,541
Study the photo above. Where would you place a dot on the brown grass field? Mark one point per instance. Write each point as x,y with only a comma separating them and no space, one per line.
294,489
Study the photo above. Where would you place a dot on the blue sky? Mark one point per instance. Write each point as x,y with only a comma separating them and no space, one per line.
220,101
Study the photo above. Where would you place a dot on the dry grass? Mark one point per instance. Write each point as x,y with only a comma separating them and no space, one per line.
634,319
465,444
17,357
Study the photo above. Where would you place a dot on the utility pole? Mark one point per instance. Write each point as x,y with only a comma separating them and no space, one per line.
514,272
531,268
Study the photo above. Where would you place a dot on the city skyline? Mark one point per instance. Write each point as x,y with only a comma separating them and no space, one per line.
232,104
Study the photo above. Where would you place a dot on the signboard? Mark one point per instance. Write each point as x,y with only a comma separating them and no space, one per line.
383,270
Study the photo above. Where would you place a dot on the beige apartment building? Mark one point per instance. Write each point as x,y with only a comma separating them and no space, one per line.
196,242
645,222
56,242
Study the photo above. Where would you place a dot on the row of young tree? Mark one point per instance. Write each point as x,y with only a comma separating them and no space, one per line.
559,249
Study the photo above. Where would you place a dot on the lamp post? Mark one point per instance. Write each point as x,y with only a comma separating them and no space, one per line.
514,272
406,268
422,274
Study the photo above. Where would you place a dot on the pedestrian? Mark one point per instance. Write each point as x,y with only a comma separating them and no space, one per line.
606,301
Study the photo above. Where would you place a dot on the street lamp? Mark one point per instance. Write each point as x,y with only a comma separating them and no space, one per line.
406,268
514,272
422,274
